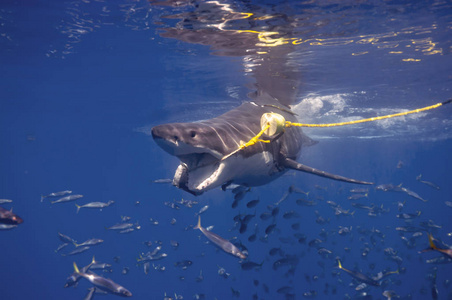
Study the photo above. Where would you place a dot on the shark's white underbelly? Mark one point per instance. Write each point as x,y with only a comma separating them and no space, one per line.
255,170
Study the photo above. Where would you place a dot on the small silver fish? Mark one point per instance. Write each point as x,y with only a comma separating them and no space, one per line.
65,238
90,242
2,201
76,251
293,189
100,266
163,180
61,247
359,190
95,205
104,283
128,230
67,199
7,226
120,226
225,245
146,267
399,188
357,196
406,216
413,194
408,228
430,184
203,209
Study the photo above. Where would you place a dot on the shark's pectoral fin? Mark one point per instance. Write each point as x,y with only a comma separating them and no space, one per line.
291,164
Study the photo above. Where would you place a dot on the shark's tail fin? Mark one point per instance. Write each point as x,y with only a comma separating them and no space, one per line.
198,226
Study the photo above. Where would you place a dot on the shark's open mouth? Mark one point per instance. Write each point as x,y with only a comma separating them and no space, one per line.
200,167
197,172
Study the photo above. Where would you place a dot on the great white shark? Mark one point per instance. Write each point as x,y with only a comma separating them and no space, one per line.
201,147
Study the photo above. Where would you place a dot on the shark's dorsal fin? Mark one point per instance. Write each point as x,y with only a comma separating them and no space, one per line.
291,164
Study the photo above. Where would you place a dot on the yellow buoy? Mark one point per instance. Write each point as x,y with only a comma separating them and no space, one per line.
274,122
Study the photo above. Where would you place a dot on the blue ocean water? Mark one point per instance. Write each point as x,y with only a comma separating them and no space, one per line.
82,83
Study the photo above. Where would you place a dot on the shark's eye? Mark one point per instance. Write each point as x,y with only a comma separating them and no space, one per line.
176,138
193,134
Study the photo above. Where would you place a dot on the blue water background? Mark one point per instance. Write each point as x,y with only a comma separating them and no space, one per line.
75,117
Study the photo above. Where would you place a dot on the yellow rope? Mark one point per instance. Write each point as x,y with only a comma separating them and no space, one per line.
289,124
256,139
253,141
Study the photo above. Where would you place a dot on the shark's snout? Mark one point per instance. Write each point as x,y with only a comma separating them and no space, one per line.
164,132
166,138
155,133
175,132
